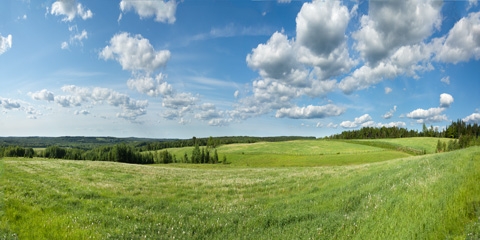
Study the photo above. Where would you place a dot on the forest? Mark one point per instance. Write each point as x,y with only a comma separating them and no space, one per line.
454,130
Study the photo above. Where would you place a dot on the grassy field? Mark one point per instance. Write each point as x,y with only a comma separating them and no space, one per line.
298,153
433,196
420,143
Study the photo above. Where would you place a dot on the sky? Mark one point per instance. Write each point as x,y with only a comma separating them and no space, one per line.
177,69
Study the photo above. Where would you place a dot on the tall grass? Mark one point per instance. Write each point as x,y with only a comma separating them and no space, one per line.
425,197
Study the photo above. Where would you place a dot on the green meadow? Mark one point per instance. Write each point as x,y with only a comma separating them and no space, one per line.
315,189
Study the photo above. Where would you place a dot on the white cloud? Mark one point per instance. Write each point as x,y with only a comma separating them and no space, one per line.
64,46
164,11
80,36
462,41
9,104
76,38
332,125
178,104
390,25
390,113
5,43
284,1
208,115
68,101
445,100
209,112
219,122
321,39
70,10
301,66
77,96
406,60
150,86
445,80
365,76
276,59
42,95
427,116
472,118
134,53
388,90
82,112
364,119
392,124
178,101
321,26
310,112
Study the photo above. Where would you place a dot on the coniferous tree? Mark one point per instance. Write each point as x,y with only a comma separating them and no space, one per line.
215,156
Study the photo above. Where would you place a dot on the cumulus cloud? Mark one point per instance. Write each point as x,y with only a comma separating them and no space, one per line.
405,60
428,115
321,26
178,101
390,113
310,112
68,101
301,66
472,118
150,86
392,24
77,96
208,111
462,41
70,9
42,95
392,124
276,59
364,120
134,53
164,11
366,76
5,43
81,112
9,104
445,100
219,122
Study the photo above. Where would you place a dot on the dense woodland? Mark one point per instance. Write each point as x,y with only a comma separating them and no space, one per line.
454,130
145,151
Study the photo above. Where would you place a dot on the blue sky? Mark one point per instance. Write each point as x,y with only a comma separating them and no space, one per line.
177,69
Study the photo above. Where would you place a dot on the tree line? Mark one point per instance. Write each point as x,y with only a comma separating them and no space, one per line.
455,130
117,153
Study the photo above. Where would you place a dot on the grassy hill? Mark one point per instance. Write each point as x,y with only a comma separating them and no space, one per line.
318,152
434,196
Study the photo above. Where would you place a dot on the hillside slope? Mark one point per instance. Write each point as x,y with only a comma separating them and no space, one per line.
433,196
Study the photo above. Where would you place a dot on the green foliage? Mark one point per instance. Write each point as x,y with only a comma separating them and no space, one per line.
164,157
454,130
433,196
202,155
55,152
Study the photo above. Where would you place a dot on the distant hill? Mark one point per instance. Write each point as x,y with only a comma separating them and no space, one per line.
75,141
